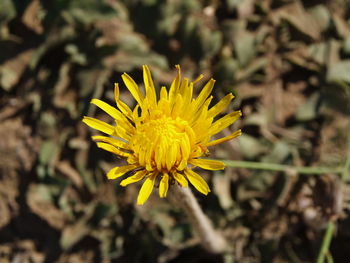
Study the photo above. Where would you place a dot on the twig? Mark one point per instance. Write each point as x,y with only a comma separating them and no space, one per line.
210,239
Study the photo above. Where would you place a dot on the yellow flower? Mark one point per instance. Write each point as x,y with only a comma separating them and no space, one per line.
163,139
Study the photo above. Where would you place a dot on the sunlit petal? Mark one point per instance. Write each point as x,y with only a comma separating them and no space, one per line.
164,135
197,181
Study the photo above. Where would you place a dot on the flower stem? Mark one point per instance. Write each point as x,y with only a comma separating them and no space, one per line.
211,240
324,250
282,167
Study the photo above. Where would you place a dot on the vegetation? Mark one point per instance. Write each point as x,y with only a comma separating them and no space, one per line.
284,194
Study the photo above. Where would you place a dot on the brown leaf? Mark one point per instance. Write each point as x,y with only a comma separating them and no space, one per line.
40,203
296,15
65,168
31,17
12,70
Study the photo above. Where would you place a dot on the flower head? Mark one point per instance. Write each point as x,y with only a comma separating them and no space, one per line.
163,138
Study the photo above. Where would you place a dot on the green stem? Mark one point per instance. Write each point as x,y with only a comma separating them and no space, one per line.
329,258
324,250
282,167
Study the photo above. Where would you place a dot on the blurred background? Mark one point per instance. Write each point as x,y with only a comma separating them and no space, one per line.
288,64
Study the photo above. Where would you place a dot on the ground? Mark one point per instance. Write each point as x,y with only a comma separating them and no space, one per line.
287,63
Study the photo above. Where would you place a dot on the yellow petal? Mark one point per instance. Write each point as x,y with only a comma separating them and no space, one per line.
198,79
184,86
200,114
147,109
224,122
180,179
116,92
132,159
208,164
149,86
121,105
185,148
171,155
164,106
112,149
204,94
120,171
175,85
99,125
146,189
220,106
114,142
201,129
133,88
164,148
125,110
225,139
113,112
124,133
142,156
197,181
178,106
135,113
182,165
158,156
187,98
164,185
149,153
190,135
163,94
134,178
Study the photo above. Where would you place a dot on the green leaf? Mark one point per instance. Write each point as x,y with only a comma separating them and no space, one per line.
100,212
279,153
47,152
74,233
7,11
245,48
89,11
308,110
321,15
339,71
346,45
250,147
225,70
7,78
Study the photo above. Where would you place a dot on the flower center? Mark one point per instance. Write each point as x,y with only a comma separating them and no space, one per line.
163,144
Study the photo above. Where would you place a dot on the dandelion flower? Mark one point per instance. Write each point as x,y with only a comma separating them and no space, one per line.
163,138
